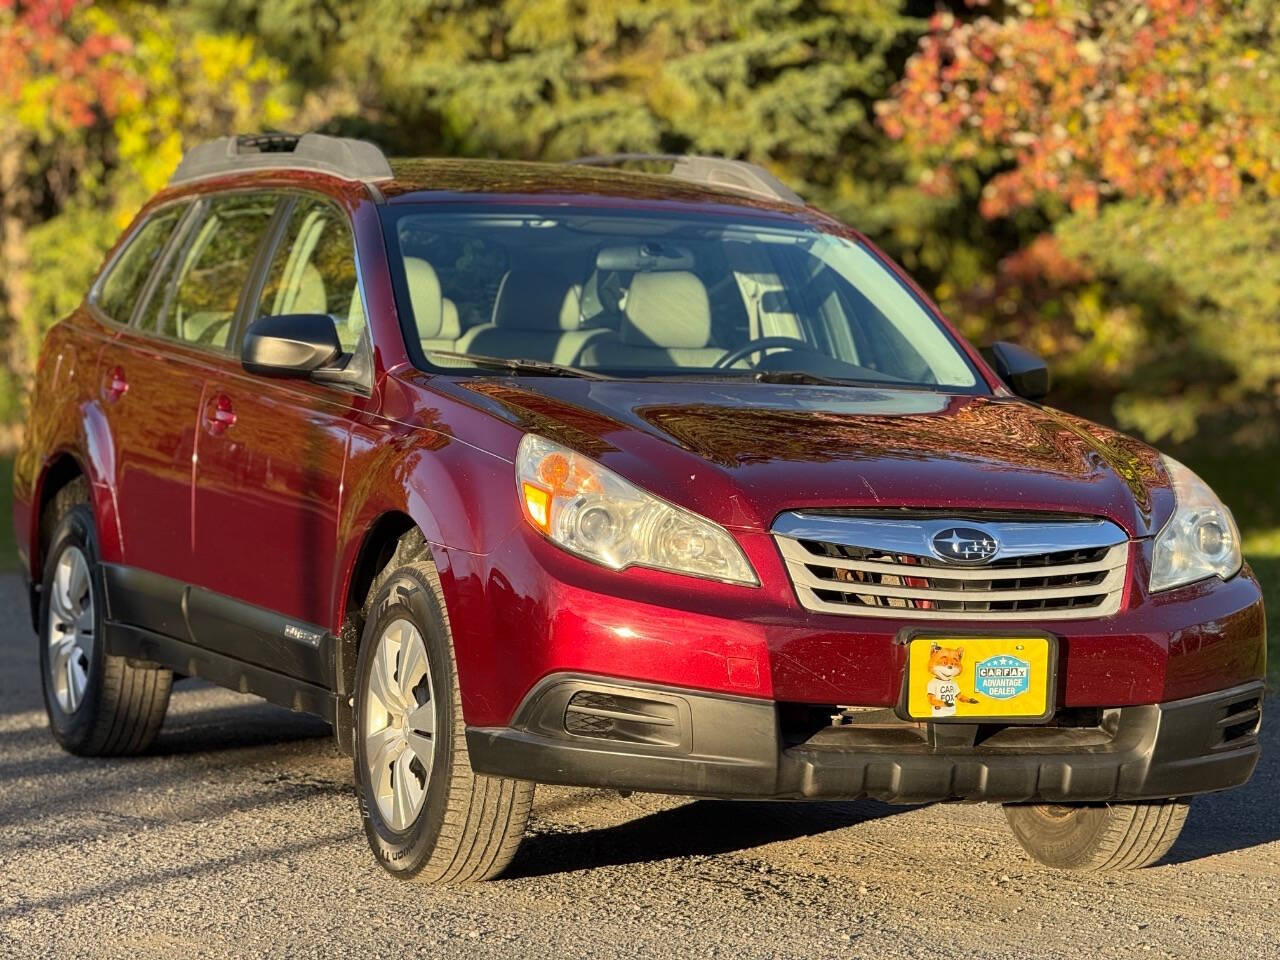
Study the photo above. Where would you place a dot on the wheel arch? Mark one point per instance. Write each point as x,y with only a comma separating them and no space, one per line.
60,469
376,548
88,450
457,498
454,496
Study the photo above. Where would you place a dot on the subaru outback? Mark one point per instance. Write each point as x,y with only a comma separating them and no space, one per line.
646,479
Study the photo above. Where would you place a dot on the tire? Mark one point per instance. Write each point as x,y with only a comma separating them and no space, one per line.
1095,837
434,820
98,705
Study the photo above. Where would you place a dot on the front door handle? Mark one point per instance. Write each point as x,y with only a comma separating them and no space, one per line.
115,385
219,415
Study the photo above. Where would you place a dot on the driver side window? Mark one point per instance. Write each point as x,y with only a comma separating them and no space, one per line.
314,271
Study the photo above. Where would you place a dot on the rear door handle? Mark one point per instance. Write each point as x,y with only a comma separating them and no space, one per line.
219,415
115,385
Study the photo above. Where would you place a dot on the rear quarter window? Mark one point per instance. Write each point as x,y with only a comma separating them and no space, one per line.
122,284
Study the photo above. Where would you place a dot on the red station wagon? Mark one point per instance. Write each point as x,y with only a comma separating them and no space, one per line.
573,474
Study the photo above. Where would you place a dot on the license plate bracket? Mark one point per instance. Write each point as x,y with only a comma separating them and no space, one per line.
981,677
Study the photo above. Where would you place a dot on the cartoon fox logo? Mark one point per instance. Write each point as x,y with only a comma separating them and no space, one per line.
943,691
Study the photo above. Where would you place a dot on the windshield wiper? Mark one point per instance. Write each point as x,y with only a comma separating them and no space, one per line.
797,376
540,368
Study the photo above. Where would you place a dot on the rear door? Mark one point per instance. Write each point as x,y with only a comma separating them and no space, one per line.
268,482
114,300
149,402
153,378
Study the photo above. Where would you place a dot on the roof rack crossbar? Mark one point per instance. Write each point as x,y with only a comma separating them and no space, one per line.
736,175
340,156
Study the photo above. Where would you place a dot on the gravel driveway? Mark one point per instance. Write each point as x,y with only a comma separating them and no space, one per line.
238,836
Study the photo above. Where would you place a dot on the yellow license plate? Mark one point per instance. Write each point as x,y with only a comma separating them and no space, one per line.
980,678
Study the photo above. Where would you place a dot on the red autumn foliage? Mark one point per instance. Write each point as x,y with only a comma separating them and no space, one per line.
50,40
1081,101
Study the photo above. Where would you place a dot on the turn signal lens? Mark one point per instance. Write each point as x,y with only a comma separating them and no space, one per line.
589,510
537,506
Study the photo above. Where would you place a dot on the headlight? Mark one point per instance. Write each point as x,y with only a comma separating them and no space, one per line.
1200,540
591,511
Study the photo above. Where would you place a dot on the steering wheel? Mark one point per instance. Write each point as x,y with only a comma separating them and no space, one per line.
758,344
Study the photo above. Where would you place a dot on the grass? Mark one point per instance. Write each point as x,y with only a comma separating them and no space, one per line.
1262,550
1247,482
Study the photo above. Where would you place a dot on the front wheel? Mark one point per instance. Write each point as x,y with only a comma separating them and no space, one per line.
1098,836
426,813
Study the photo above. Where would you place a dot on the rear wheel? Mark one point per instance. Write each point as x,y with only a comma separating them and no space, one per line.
1101,836
98,704
426,814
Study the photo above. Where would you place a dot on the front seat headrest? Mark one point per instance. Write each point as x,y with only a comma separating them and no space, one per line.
450,325
668,309
424,297
530,299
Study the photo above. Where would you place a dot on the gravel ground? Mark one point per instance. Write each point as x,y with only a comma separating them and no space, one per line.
237,835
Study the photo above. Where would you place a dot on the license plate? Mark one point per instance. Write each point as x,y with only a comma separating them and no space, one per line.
980,678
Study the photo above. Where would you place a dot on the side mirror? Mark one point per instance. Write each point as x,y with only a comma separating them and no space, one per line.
1024,372
290,345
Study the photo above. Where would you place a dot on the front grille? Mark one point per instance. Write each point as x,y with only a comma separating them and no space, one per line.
885,567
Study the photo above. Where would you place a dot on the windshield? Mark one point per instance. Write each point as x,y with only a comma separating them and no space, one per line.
638,294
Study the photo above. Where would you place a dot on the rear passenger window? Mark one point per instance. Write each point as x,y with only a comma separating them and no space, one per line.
123,283
200,305
314,271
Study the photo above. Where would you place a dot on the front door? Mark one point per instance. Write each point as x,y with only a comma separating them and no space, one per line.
269,476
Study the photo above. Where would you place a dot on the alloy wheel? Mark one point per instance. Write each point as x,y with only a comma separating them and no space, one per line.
399,724
70,630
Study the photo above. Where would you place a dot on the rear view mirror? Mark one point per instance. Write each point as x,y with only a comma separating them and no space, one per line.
1024,372
291,345
644,257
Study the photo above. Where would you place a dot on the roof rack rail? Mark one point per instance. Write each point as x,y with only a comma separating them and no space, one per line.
340,156
715,171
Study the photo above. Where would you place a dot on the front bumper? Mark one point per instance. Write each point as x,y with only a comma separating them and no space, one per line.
540,611
587,731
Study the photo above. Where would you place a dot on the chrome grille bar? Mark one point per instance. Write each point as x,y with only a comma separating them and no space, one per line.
886,567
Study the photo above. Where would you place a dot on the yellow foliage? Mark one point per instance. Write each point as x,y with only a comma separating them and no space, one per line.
175,88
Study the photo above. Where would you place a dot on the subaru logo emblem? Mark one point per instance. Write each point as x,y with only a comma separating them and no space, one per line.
965,545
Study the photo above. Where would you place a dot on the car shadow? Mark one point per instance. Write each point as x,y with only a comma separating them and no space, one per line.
1238,819
101,821
246,728
196,740
697,828
253,723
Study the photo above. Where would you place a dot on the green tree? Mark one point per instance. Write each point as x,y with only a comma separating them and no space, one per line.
1095,179
786,83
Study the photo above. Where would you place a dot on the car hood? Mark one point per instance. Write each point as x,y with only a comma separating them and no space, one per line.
741,453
